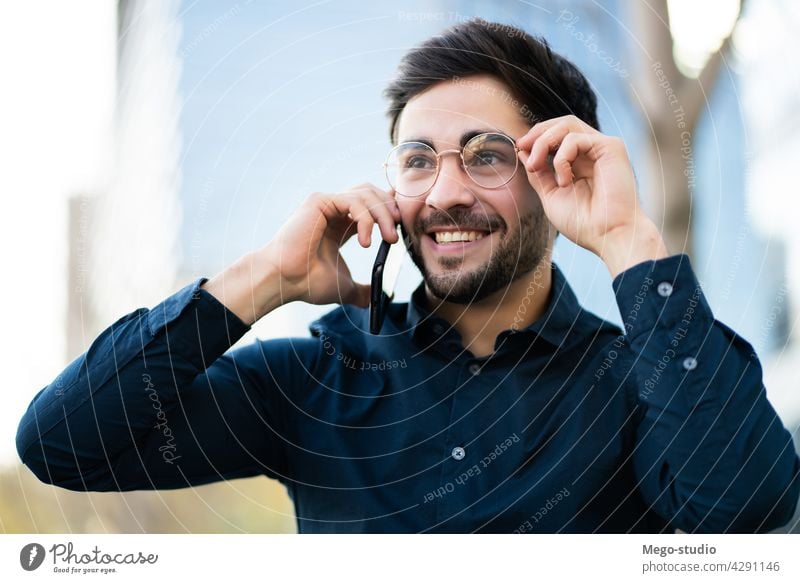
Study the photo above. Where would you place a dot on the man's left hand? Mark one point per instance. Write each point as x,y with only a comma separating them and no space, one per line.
589,191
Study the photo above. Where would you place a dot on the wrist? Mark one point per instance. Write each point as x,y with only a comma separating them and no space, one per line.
250,287
628,246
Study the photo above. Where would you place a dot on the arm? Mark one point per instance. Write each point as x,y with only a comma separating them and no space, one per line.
154,403
711,454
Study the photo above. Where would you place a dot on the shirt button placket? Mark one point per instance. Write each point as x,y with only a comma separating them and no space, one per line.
463,401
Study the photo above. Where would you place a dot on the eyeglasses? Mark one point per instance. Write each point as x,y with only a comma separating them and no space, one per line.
489,159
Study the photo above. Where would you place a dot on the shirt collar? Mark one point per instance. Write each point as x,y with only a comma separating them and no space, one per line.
563,322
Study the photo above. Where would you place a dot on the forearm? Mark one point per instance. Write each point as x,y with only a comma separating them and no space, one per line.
711,453
122,389
713,456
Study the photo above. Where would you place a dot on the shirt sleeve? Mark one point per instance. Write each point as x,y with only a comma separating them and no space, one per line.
710,453
157,403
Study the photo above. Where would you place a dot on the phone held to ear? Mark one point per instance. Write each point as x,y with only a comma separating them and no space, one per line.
385,271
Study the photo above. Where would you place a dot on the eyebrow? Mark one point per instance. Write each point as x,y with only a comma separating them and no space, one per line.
465,137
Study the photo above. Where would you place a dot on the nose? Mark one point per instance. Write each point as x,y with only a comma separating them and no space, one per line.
452,186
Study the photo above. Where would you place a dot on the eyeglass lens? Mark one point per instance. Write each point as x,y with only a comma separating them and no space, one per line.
490,160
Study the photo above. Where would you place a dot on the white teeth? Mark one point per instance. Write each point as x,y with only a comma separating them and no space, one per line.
457,236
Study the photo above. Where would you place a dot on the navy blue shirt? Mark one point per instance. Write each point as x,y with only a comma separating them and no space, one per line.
568,426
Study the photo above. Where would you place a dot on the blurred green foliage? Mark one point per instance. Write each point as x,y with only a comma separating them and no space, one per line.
252,505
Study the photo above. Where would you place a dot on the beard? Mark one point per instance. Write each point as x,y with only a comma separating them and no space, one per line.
515,255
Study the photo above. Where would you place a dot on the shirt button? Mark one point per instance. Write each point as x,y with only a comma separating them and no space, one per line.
665,289
689,363
458,453
474,369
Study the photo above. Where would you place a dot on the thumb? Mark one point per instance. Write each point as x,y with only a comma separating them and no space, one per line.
359,295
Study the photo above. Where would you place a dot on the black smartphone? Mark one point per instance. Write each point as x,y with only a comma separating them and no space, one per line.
384,277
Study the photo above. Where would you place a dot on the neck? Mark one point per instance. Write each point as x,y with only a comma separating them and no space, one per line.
516,306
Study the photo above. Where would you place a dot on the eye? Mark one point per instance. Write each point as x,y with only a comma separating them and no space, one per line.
487,158
490,151
418,162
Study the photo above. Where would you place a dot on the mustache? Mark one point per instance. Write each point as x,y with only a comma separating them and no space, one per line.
461,218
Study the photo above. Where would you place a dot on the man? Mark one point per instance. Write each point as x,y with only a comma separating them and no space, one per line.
491,402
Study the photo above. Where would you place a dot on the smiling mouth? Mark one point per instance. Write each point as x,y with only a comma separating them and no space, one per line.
456,241
451,237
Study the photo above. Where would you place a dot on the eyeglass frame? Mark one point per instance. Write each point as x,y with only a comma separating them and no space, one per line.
460,152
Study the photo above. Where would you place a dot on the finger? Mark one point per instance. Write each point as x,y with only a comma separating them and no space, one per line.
365,222
570,121
380,206
351,204
571,147
543,181
546,143
526,141
389,215
393,206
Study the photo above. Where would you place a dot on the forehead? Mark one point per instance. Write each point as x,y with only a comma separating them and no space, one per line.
445,111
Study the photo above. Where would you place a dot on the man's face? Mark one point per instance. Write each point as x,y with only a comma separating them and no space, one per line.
513,232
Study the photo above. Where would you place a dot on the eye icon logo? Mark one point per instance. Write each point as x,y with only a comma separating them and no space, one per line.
31,556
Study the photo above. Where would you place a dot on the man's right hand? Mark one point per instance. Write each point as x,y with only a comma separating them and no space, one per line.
302,262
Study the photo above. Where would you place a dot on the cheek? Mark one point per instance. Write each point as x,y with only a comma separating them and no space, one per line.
409,213
523,199
513,205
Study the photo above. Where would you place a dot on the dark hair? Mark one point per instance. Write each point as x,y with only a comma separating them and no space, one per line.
546,84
